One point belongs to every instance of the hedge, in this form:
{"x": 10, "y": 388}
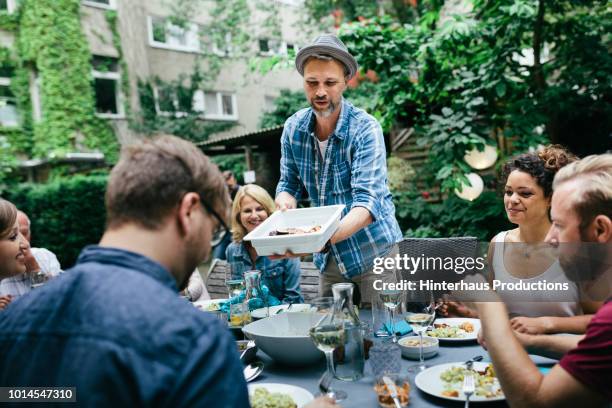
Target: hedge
{"x": 66, "y": 214}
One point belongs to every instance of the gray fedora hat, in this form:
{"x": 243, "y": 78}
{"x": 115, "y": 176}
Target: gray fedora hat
{"x": 328, "y": 45}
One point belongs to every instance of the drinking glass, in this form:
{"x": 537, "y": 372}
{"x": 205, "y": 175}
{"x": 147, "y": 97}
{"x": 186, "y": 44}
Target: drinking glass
{"x": 37, "y": 279}
{"x": 327, "y": 333}
{"x": 239, "y": 314}
{"x": 420, "y": 315}
{"x": 234, "y": 287}
{"x": 391, "y": 299}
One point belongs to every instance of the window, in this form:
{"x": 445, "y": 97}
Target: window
{"x": 269, "y": 46}
{"x": 164, "y": 34}
{"x": 222, "y": 46}
{"x": 106, "y": 4}
{"x": 8, "y": 5}
{"x": 9, "y": 116}
{"x": 216, "y": 105}
{"x": 107, "y": 86}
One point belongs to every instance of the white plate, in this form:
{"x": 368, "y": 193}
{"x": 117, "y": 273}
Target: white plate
{"x": 456, "y": 321}
{"x": 300, "y": 396}
{"x": 296, "y": 308}
{"x": 429, "y": 382}
{"x": 209, "y": 305}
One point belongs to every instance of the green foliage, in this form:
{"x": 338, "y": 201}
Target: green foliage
{"x": 233, "y": 162}
{"x": 178, "y": 118}
{"x": 482, "y": 218}
{"x": 287, "y": 103}
{"x": 8, "y": 22}
{"x": 50, "y": 36}
{"x": 111, "y": 18}
{"x": 66, "y": 214}
{"x": 460, "y": 82}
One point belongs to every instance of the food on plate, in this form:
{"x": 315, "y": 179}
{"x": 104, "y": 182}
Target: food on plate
{"x": 487, "y": 385}
{"x": 295, "y": 231}
{"x": 210, "y": 307}
{"x": 451, "y": 332}
{"x": 262, "y": 398}
{"x": 384, "y": 395}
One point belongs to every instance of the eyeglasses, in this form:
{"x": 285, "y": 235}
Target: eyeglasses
{"x": 221, "y": 230}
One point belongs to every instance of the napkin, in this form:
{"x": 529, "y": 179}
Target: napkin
{"x": 400, "y": 327}
{"x": 254, "y": 303}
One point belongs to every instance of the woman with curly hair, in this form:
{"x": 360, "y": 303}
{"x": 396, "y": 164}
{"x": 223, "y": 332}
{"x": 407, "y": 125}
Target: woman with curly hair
{"x": 520, "y": 254}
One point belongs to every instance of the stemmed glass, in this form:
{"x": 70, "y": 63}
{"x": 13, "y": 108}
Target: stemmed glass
{"x": 327, "y": 333}
{"x": 391, "y": 299}
{"x": 420, "y": 315}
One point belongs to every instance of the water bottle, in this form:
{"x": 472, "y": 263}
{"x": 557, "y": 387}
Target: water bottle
{"x": 349, "y": 358}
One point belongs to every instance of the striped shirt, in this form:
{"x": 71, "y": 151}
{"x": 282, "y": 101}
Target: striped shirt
{"x": 352, "y": 172}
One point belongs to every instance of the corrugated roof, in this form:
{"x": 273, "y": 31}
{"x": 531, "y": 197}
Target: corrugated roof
{"x": 233, "y": 140}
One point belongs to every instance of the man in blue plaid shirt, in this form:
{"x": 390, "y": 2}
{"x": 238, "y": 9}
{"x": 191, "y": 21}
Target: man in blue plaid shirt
{"x": 336, "y": 153}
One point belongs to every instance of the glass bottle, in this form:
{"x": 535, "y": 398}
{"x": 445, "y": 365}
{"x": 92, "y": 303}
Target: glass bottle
{"x": 255, "y": 297}
{"x": 350, "y": 359}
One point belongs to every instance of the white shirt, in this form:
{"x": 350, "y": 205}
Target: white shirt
{"x": 21, "y": 284}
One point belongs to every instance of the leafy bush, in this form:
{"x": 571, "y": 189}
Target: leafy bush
{"x": 66, "y": 214}
{"x": 454, "y": 217}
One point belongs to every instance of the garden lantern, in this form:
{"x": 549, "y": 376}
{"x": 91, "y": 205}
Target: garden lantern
{"x": 480, "y": 160}
{"x": 473, "y": 190}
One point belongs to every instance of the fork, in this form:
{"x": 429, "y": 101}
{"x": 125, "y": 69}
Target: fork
{"x": 468, "y": 387}
{"x": 279, "y": 311}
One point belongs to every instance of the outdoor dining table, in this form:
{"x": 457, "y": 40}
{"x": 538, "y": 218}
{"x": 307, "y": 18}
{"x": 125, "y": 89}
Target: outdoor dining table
{"x": 361, "y": 393}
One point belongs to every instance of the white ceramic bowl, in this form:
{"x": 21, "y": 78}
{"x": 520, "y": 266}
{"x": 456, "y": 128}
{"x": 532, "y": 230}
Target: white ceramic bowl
{"x": 328, "y": 217}
{"x": 410, "y": 347}
{"x": 273, "y": 310}
{"x": 284, "y": 337}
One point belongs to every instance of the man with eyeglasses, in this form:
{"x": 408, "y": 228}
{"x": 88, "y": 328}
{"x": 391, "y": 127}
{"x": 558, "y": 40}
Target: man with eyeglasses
{"x": 336, "y": 153}
{"x": 113, "y": 326}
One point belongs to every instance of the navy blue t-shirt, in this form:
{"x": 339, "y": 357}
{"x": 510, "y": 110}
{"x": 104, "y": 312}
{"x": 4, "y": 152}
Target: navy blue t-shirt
{"x": 114, "y": 327}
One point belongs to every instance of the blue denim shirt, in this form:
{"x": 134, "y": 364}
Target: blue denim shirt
{"x": 353, "y": 172}
{"x": 282, "y": 276}
{"x": 115, "y": 328}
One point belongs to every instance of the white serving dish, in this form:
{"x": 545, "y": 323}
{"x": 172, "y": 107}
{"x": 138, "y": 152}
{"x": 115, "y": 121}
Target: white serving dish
{"x": 285, "y": 338}
{"x": 274, "y": 310}
{"x": 457, "y": 321}
{"x": 327, "y": 217}
{"x": 412, "y": 352}
{"x": 299, "y": 395}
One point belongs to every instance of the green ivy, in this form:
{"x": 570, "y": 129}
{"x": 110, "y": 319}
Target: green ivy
{"x": 111, "y": 18}
{"x": 50, "y": 36}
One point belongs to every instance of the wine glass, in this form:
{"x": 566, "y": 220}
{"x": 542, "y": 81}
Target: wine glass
{"x": 391, "y": 299}
{"x": 420, "y": 314}
{"x": 327, "y": 333}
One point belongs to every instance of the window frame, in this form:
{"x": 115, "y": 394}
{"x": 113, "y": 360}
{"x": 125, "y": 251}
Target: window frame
{"x": 203, "y": 115}
{"x": 164, "y": 45}
{"x": 112, "y": 4}
{"x": 116, "y": 76}
{"x": 6, "y": 81}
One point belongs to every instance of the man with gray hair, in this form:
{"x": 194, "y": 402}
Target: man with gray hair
{"x": 336, "y": 153}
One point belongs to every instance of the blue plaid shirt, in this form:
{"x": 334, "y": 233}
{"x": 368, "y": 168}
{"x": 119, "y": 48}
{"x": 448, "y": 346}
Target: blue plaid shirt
{"x": 353, "y": 172}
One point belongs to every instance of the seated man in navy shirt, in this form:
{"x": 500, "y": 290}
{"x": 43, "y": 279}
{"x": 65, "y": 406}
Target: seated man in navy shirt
{"x": 113, "y": 326}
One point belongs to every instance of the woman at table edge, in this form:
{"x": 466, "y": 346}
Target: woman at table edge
{"x": 527, "y": 194}
{"x": 252, "y": 206}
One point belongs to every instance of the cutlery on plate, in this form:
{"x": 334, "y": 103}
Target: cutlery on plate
{"x": 392, "y": 390}
{"x": 252, "y": 371}
{"x": 471, "y": 361}
{"x": 281, "y": 310}
{"x": 468, "y": 386}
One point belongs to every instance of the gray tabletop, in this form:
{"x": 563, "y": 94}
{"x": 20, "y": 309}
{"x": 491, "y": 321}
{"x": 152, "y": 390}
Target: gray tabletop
{"x": 361, "y": 393}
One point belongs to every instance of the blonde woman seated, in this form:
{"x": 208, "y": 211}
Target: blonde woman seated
{"x": 521, "y": 255}
{"x": 252, "y": 205}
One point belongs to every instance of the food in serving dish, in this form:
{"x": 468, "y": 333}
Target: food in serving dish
{"x": 263, "y": 398}
{"x": 210, "y": 307}
{"x": 384, "y": 395}
{"x": 414, "y": 342}
{"x": 295, "y": 231}
{"x": 452, "y": 332}
{"x": 487, "y": 385}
